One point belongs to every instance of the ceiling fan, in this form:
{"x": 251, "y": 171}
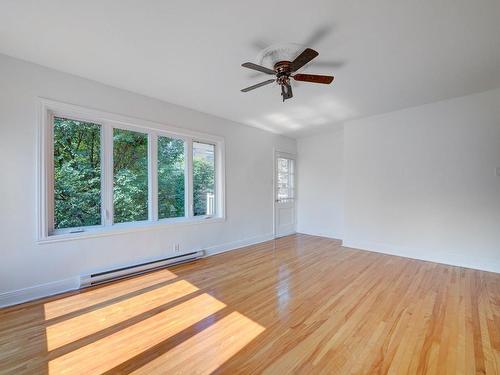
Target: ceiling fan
{"x": 283, "y": 71}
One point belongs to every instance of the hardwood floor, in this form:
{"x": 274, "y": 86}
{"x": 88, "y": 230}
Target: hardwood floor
{"x": 300, "y": 304}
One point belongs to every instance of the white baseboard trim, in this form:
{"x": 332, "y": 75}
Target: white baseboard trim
{"x": 45, "y": 290}
{"x": 235, "y": 245}
{"x": 459, "y": 260}
{"x": 39, "y": 291}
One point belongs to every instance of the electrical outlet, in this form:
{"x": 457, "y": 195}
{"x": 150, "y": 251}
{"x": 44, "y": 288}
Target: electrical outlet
{"x": 497, "y": 171}
{"x": 176, "y": 248}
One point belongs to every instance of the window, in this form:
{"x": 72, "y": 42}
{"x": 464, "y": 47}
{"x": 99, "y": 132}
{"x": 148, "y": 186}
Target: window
{"x": 171, "y": 182}
{"x": 130, "y": 176}
{"x": 77, "y": 173}
{"x": 203, "y": 178}
{"x": 285, "y": 179}
{"x": 102, "y": 172}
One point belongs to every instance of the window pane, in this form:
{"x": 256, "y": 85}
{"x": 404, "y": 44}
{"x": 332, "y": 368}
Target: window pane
{"x": 77, "y": 173}
{"x": 285, "y": 179}
{"x": 170, "y": 177}
{"x": 203, "y": 179}
{"x": 130, "y": 181}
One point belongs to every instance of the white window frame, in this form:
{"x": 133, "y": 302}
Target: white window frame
{"x": 48, "y": 109}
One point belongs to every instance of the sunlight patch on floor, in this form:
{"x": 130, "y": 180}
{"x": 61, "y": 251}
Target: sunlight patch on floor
{"x": 102, "y": 294}
{"x": 108, "y": 352}
{"x": 208, "y": 350}
{"x": 86, "y": 324}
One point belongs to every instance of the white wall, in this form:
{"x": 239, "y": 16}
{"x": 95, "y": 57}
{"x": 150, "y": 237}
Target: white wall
{"x": 419, "y": 182}
{"x": 320, "y": 184}
{"x": 26, "y": 264}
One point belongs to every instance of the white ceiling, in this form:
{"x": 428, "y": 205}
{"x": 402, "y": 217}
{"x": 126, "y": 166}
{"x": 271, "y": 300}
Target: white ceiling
{"x": 385, "y": 54}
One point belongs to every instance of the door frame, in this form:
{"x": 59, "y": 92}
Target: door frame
{"x": 277, "y": 153}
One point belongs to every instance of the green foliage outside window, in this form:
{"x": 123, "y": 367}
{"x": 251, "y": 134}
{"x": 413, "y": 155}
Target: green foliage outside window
{"x": 203, "y": 179}
{"x": 130, "y": 167}
{"x": 171, "y": 187}
{"x": 77, "y": 173}
{"x": 203, "y": 185}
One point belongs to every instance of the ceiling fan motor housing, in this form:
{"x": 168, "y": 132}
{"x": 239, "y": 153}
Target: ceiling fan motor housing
{"x": 283, "y": 72}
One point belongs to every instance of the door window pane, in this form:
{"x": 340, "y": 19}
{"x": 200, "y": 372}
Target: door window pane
{"x": 203, "y": 179}
{"x": 130, "y": 176}
{"x": 285, "y": 176}
{"x": 171, "y": 184}
{"x": 77, "y": 173}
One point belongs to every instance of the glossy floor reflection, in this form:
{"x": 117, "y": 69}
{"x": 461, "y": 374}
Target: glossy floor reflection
{"x": 299, "y": 304}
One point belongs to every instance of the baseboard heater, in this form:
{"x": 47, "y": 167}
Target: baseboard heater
{"x": 120, "y": 273}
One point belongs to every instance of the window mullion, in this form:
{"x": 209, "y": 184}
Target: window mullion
{"x": 107, "y": 174}
{"x": 153, "y": 176}
{"x": 189, "y": 179}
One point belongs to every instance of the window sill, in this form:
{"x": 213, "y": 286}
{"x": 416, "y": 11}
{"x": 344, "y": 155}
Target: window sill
{"x": 125, "y": 228}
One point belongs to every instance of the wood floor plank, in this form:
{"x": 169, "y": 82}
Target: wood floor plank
{"x": 299, "y": 304}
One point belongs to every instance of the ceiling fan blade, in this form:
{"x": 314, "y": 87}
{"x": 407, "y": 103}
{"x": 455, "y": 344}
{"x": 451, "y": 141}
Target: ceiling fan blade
{"x": 318, "y": 35}
{"x": 327, "y": 64}
{"x": 307, "y": 55}
{"x": 262, "y": 69}
{"x": 315, "y": 78}
{"x": 258, "y": 85}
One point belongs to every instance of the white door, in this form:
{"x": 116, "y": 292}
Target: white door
{"x": 284, "y": 202}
